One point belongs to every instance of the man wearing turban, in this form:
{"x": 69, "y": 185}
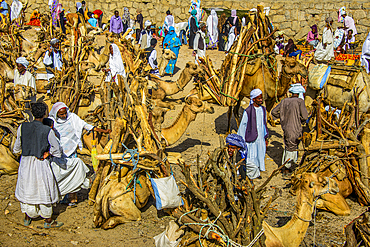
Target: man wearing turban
{"x": 253, "y": 128}
{"x": 53, "y": 58}
{"x": 292, "y": 113}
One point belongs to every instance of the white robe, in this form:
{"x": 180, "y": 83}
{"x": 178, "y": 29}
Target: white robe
{"x": 169, "y": 21}
{"x": 327, "y": 53}
{"x": 365, "y": 54}
{"x": 350, "y": 23}
{"x": 15, "y": 9}
{"x": 212, "y": 23}
{"x": 115, "y": 65}
{"x": 36, "y": 187}
{"x": 199, "y": 53}
{"x": 57, "y": 62}
{"x": 256, "y": 150}
{"x": 230, "y": 39}
{"x": 27, "y": 79}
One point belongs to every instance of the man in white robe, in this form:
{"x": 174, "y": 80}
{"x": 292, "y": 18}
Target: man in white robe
{"x": 70, "y": 171}
{"x": 325, "y": 49}
{"x": 36, "y": 187}
{"x": 212, "y": 23}
{"x": 53, "y": 58}
{"x": 365, "y": 54}
{"x": 253, "y": 128}
{"x": 200, "y": 43}
{"x": 151, "y": 53}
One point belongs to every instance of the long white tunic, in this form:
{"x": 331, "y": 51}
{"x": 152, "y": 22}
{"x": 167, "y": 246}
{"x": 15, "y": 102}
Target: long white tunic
{"x": 27, "y": 79}
{"x": 57, "y": 62}
{"x": 327, "y": 53}
{"x": 350, "y": 24}
{"x": 256, "y": 150}
{"x": 36, "y": 187}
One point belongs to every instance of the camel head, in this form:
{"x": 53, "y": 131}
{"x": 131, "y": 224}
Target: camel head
{"x": 292, "y": 67}
{"x": 193, "y": 69}
{"x": 314, "y": 185}
{"x": 168, "y": 54}
{"x": 198, "y": 106}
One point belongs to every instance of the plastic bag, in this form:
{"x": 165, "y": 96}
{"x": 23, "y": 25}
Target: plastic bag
{"x": 318, "y": 76}
{"x": 166, "y": 192}
{"x": 169, "y": 237}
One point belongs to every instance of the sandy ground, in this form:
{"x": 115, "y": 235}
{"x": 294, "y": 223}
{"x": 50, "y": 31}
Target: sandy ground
{"x": 201, "y": 136}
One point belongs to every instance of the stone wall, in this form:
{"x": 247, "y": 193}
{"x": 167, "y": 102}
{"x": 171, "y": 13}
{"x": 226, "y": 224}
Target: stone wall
{"x": 294, "y": 16}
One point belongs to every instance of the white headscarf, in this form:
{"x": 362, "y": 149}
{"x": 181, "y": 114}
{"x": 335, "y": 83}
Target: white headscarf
{"x": 212, "y": 23}
{"x": 115, "y": 62}
{"x": 23, "y": 61}
{"x": 365, "y": 54}
{"x": 254, "y": 93}
{"x": 147, "y": 23}
{"x": 15, "y": 9}
{"x": 169, "y": 21}
{"x": 297, "y": 89}
{"x": 54, "y": 112}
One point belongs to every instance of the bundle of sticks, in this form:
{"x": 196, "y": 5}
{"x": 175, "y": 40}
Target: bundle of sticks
{"x": 255, "y": 40}
{"x": 219, "y": 206}
{"x": 126, "y": 110}
{"x": 339, "y": 142}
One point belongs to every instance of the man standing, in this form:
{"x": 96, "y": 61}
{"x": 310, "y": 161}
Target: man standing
{"x": 253, "y": 128}
{"x": 349, "y": 23}
{"x": 116, "y": 25}
{"x": 292, "y": 113}
{"x": 36, "y": 187}
{"x": 151, "y": 54}
{"x": 53, "y": 58}
{"x": 200, "y": 43}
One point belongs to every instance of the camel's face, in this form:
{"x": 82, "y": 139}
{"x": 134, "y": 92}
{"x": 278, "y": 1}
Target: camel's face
{"x": 292, "y": 67}
{"x": 315, "y": 184}
{"x": 158, "y": 115}
{"x": 168, "y": 54}
{"x": 198, "y": 106}
{"x": 86, "y": 65}
{"x": 193, "y": 68}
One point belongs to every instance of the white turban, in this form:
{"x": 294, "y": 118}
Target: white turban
{"x": 23, "y": 61}
{"x": 297, "y": 89}
{"x": 54, "y": 41}
{"x": 254, "y": 93}
{"x": 147, "y": 23}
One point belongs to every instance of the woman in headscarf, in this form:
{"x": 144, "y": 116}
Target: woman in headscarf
{"x": 365, "y": 54}
{"x": 291, "y": 49}
{"x": 70, "y": 171}
{"x": 313, "y": 36}
{"x": 172, "y": 42}
{"x": 126, "y": 19}
{"x": 116, "y": 66}
{"x": 221, "y": 35}
{"x": 16, "y": 8}
{"x": 139, "y": 24}
{"x": 212, "y": 23}
{"x": 234, "y": 20}
{"x": 34, "y": 19}
{"x": 325, "y": 49}
{"x": 193, "y": 27}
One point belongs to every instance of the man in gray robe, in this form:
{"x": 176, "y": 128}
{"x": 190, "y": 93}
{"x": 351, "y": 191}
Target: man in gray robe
{"x": 292, "y": 113}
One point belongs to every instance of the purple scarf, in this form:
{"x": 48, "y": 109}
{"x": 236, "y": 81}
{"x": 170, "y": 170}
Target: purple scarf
{"x": 251, "y": 133}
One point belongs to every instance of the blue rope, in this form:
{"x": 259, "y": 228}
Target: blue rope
{"x": 110, "y": 156}
{"x": 132, "y": 153}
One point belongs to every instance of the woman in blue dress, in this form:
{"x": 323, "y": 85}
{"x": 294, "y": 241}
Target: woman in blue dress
{"x": 172, "y": 42}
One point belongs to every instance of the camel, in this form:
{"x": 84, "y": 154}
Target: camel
{"x": 8, "y": 164}
{"x": 117, "y": 196}
{"x": 258, "y": 76}
{"x": 309, "y": 186}
{"x": 337, "y": 96}
{"x": 189, "y": 112}
{"x": 165, "y": 88}
{"x": 163, "y": 60}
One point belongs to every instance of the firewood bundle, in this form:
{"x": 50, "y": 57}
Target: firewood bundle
{"x": 339, "y": 145}
{"x": 219, "y": 206}
{"x": 255, "y": 40}
{"x": 126, "y": 110}
{"x": 358, "y": 231}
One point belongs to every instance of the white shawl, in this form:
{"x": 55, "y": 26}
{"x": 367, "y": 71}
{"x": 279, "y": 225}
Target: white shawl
{"x": 15, "y": 9}
{"x": 115, "y": 64}
{"x": 212, "y": 23}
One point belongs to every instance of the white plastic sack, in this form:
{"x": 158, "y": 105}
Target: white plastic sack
{"x": 170, "y": 237}
{"x": 318, "y": 76}
{"x": 166, "y": 192}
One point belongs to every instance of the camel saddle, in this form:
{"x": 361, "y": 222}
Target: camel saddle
{"x": 344, "y": 77}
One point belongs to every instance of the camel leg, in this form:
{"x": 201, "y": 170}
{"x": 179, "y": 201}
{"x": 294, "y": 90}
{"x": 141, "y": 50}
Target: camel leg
{"x": 229, "y": 113}
{"x": 334, "y": 203}
{"x": 236, "y": 112}
{"x": 114, "y": 221}
{"x": 162, "y": 104}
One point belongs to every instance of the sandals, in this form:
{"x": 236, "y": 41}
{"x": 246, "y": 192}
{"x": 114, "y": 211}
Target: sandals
{"x": 50, "y": 225}
{"x": 27, "y": 222}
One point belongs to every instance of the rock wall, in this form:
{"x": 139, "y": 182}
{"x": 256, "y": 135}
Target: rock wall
{"x": 294, "y": 17}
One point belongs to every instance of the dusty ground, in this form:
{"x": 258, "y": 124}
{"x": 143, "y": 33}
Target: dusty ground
{"x": 201, "y": 136}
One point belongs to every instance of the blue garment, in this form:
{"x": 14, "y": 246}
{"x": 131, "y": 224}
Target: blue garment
{"x": 4, "y": 5}
{"x": 93, "y": 22}
{"x": 296, "y": 53}
{"x": 172, "y": 42}
{"x": 257, "y": 148}
{"x": 238, "y": 141}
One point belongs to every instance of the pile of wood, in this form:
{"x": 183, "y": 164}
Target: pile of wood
{"x": 339, "y": 144}
{"x": 219, "y": 206}
{"x": 255, "y": 40}
{"x": 358, "y": 231}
